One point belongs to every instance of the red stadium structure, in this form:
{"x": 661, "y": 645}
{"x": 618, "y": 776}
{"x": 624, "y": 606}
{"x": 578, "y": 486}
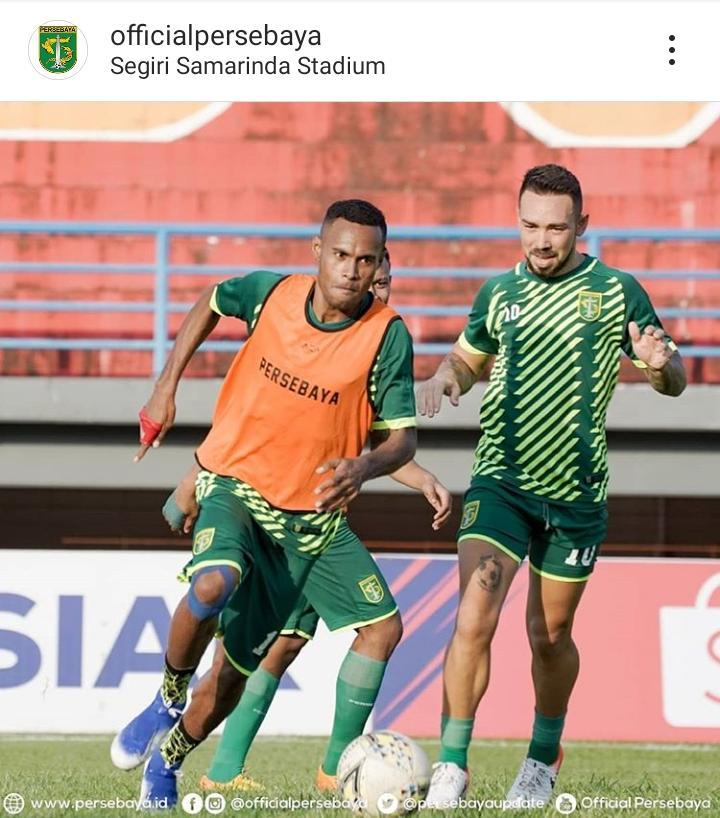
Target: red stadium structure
{"x": 423, "y": 164}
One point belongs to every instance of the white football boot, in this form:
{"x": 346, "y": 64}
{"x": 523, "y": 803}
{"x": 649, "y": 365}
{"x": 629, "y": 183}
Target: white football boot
{"x": 447, "y": 785}
{"x": 534, "y": 783}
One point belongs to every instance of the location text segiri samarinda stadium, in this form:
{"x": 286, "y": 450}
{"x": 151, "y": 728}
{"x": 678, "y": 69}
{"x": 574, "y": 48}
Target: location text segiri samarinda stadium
{"x": 281, "y": 55}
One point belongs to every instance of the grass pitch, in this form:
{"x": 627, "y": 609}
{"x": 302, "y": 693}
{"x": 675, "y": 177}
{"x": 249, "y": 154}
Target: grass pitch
{"x": 78, "y": 768}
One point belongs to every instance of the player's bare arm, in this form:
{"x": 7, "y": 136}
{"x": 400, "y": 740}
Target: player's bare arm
{"x": 414, "y": 476}
{"x": 181, "y": 508}
{"x": 455, "y": 376}
{"x": 664, "y": 367}
{"x": 160, "y": 408}
{"x": 390, "y": 449}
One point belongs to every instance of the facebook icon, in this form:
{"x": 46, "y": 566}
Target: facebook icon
{"x": 192, "y": 803}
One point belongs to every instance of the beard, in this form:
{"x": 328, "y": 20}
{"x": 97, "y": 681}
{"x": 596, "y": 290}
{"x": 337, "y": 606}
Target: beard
{"x": 556, "y": 269}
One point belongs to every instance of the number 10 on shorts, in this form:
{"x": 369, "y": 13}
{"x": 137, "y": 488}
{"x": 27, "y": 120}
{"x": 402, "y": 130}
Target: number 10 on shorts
{"x": 583, "y": 556}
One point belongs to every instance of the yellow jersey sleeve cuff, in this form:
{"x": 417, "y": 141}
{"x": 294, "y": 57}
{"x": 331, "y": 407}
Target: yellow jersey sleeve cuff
{"x": 468, "y": 347}
{"x": 213, "y": 303}
{"x": 397, "y": 423}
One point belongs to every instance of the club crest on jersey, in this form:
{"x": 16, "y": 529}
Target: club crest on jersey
{"x": 372, "y": 589}
{"x": 203, "y": 540}
{"x": 470, "y": 513}
{"x": 589, "y": 305}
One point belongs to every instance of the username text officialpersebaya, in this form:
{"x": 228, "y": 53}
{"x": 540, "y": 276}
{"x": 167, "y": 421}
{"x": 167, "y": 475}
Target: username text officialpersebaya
{"x": 283, "y": 53}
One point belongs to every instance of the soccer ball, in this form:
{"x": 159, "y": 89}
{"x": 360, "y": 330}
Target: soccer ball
{"x": 386, "y": 771}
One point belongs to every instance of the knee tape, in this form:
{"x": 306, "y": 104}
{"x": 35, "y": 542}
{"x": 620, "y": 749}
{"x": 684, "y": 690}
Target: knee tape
{"x": 207, "y": 610}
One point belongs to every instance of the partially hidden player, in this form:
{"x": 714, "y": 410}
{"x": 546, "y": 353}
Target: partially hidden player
{"x": 556, "y": 325}
{"x": 326, "y": 367}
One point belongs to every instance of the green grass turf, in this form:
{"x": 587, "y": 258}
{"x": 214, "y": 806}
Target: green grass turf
{"x": 79, "y": 768}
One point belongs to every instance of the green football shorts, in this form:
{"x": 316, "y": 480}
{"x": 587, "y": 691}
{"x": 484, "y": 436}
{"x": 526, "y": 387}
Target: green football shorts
{"x": 344, "y": 587}
{"x": 271, "y": 577}
{"x": 562, "y": 542}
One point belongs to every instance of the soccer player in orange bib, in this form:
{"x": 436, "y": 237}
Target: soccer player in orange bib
{"x": 227, "y": 770}
{"x": 326, "y": 367}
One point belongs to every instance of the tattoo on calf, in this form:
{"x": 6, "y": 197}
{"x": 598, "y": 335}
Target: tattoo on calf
{"x": 489, "y": 573}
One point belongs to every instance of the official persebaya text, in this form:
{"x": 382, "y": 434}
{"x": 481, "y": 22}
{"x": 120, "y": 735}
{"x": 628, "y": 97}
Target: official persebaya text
{"x": 197, "y": 38}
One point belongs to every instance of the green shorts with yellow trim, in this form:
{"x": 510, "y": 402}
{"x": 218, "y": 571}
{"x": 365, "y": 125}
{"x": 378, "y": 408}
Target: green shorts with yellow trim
{"x": 344, "y": 588}
{"x": 561, "y": 541}
{"x": 303, "y": 621}
{"x": 271, "y": 577}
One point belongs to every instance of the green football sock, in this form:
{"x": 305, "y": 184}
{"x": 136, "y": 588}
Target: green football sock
{"x": 545, "y": 741}
{"x": 358, "y": 684}
{"x": 455, "y": 740}
{"x": 242, "y": 725}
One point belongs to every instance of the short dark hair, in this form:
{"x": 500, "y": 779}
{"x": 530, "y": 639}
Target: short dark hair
{"x": 553, "y": 179}
{"x": 386, "y": 256}
{"x": 357, "y": 211}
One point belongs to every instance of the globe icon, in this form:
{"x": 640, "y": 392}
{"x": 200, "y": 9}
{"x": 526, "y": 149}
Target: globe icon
{"x": 13, "y": 803}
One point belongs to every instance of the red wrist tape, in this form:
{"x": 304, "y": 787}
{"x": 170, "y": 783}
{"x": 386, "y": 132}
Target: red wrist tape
{"x": 149, "y": 429}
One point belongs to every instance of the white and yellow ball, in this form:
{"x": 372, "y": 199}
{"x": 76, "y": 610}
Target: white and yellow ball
{"x": 386, "y": 771}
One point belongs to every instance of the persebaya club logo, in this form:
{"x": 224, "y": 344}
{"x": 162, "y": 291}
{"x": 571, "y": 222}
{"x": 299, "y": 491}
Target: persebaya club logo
{"x": 589, "y": 305}
{"x": 470, "y": 513}
{"x": 372, "y": 589}
{"x": 57, "y": 49}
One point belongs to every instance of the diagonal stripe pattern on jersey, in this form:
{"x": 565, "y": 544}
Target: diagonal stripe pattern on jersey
{"x": 557, "y": 344}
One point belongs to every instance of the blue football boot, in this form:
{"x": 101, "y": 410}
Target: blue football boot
{"x": 134, "y": 743}
{"x": 159, "y": 789}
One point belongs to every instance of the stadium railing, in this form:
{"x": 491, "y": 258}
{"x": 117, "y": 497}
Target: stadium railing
{"x": 163, "y": 271}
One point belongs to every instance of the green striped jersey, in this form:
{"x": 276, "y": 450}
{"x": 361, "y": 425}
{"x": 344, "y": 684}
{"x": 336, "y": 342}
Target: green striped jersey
{"x": 557, "y": 343}
{"x": 309, "y": 533}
